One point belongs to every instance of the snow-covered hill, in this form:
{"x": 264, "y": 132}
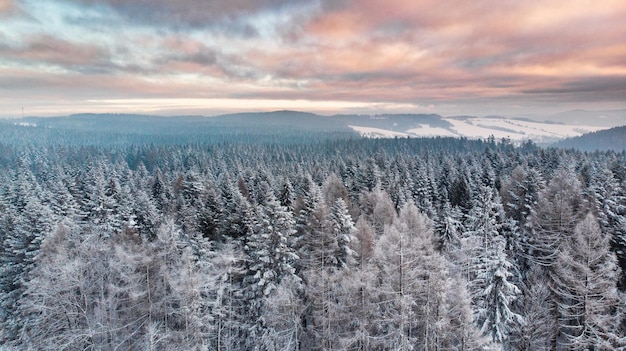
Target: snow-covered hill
{"x": 290, "y": 122}
{"x": 484, "y": 127}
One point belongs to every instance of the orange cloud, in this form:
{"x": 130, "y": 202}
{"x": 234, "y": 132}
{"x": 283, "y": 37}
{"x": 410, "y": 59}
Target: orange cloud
{"x": 6, "y": 6}
{"x": 457, "y": 43}
{"x": 396, "y": 52}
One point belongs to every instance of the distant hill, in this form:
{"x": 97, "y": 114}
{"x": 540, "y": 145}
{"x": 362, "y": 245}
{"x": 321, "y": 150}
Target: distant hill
{"x": 600, "y": 118}
{"x": 609, "y": 139}
{"x": 124, "y": 129}
{"x": 276, "y": 122}
{"x": 300, "y": 125}
{"x": 256, "y": 123}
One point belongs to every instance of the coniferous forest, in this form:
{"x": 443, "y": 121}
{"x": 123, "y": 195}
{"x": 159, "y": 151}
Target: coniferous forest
{"x": 312, "y": 242}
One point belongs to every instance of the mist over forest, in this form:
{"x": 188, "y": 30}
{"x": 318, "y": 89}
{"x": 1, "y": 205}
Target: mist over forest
{"x": 127, "y": 232}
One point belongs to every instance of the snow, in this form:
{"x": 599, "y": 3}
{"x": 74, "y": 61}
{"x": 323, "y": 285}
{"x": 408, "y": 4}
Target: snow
{"x": 471, "y": 128}
{"x": 378, "y": 133}
{"x": 483, "y": 127}
{"x": 559, "y": 130}
{"x": 25, "y": 124}
{"x": 516, "y": 130}
{"x": 426, "y": 130}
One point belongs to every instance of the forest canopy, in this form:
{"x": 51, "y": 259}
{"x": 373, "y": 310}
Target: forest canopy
{"x": 307, "y": 241}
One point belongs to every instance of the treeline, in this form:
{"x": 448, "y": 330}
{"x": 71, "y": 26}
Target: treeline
{"x": 609, "y": 139}
{"x": 118, "y": 131}
{"x": 400, "y": 244}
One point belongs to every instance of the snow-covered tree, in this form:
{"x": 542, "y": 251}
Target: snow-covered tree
{"x": 587, "y": 274}
{"x": 495, "y": 314}
{"x": 413, "y": 298}
{"x": 377, "y": 207}
{"x": 234, "y": 212}
{"x": 55, "y": 304}
{"x": 340, "y": 223}
{"x": 449, "y": 227}
{"x": 271, "y": 258}
{"x": 550, "y": 226}
{"x": 226, "y": 299}
{"x": 535, "y": 307}
{"x": 100, "y": 291}
{"x": 554, "y": 217}
{"x": 282, "y": 313}
{"x": 519, "y": 193}
{"x": 25, "y": 233}
{"x": 609, "y": 202}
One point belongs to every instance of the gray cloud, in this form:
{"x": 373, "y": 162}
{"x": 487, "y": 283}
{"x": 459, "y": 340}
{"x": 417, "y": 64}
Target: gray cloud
{"x": 587, "y": 89}
{"x": 182, "y": 14}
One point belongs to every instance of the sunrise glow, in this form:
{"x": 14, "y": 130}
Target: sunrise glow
{"x": 199, "y": 57}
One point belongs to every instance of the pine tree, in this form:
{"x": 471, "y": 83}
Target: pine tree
{"x": 161, "y": 192}
{"x": 317, "y": 244}
{"x": 485, "y": 218}
{"x": 411, "y": 299}
{"x": 609, "y": 202}
{"x": 495, "y": 315}
{"x": 211, "y": 214}
{"x": 551, "y": 224}
{"x": 226, "y": 296}
{"x": 20, "y": 247}
{"x": 519, "y": 193}
{"x": 271, "y": 258}
{"x": 282, "y": 313}
{"x": 62, "y": 202}
{"x": 234, "y": 212}
{"x": 587, "y": 274}
{"x": 554, "y": 217}
{"x": 449, "y": 226}
{"x": 57, "y": 305}
{"x": 325, "y": 253}
{"x": 535, "y": 307}
{"x": 483, "y": 262}
{"x": 378, "y": 209}
{"x": 286, "y": 196}
{"x": 342, "y": 227}
{"x": 459, "y": 194}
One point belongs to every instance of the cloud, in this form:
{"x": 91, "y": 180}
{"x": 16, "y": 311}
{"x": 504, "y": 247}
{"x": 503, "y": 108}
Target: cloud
{"x": 409, "y": 52}
{"x": 590, "y": 88}
{"x": 7, "y": 7}
{"x": 10, "y": 9}
{"x": 184, "y": 14}
{"x": 54, "y": 51}
{"x": 438, "y": 49}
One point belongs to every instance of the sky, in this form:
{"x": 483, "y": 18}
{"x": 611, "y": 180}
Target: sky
{"x": 451, "y": 57}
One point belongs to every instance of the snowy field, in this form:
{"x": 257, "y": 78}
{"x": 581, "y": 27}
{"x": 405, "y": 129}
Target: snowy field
{"x": 426, "y": 130}
{"x": 474, "y": 128}
{"x": 370, "y": 132}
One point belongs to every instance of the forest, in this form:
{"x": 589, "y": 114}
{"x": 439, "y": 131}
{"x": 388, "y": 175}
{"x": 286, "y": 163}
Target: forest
{"x": 308, "y": 243}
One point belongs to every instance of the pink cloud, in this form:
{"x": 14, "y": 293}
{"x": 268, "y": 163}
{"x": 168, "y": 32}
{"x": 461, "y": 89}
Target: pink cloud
{"x": 55, "y": 51}
{"x": 399, "y": 51}
{"x": 478, "y": 48}
{"x": 7, "y": 7}
{"x": 10, "y": 9}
